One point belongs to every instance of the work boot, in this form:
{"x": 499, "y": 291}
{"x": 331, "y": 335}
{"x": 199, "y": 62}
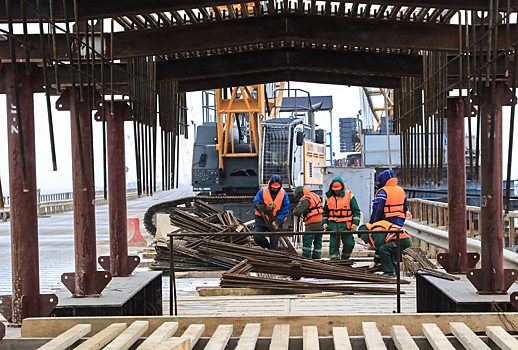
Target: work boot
{"x": 389, "y": 274}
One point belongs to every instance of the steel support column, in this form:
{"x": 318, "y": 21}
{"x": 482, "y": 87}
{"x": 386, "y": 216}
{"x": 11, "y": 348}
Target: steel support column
{"x": 457, "y": 260}
{"x": 492, "y": 278}
{"x": 86, "y": 280}
{"x": 118, "y": 263}
{"x": 26, "y": 300}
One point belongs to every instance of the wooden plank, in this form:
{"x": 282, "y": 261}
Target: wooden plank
{"x": 372, "y": 335}
{"x": 502, "y": 338}
{"x": 176, "y": 343}
{"x": 341, "y": 338}
{"x": 249, "y": 337}
{"x": 103, "y": 337}
{"x": 220, "y": 338}
{"x": 164, "y": 332}
{"x": 310, "y": 338}
{"x": 51, "y": 327}
{"x": 194, "y": 332}
{"x": 67, "y": 338}
{"x": 402, "y": 339}
{"x": 467, "y": 337}
{"x": 436, "y": 337}
{"x": 129, "y": 336}
{"x": 280, "y": 337}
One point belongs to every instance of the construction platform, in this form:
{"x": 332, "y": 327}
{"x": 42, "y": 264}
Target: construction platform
{"x": 137, "y": 295}
{"x": 440, "y": 295}
{"x": 371, "y": 331}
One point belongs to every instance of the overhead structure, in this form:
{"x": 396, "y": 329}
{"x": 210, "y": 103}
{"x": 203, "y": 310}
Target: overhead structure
{"x": 422, "y": 49}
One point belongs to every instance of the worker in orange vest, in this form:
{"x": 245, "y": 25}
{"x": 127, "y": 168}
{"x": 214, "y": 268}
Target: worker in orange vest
{"x": 311, "y": 209}
{"x": 274, "y": 199}
{"x": 341, "y": 213}
{"x": 386, "y": 244}
{"x": 390, "y": 202}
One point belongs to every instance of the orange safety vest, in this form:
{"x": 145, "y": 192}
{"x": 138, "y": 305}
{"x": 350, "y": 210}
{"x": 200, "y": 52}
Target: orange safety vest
{"x": 384, "y": 225}
{"x": 267, "y": 199}
{"x": 395, "y": 203}
{"x": 340, "y": 209}
{"x": 372, "y": 241}
{"x": 315, "y": 210}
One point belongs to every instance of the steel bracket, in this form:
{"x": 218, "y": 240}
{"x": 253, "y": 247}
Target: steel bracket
{"x": 131, "y": 264}
{"x": 93, "y": 284}
{"x": 47, "y": 301}
{"x": 444, "y": 260}
{"x": 514, "y": 300}
{"x": 121, "y": 111}
{"x": 476, "y": 277}
{"x": 63, "y": 102}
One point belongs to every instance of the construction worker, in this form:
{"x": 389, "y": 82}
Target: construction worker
{"x": 310, "y": 208}
{"x": 390, "y": 202}
{"x": 385, "y": 245}
{"x": 341, "y": 213}
{"x": 274, "y": 199}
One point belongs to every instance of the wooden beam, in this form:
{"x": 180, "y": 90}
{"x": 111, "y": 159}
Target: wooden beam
{"x": 94, "y": 9}
{"x": 341, "y": 339}
{"x": 353, "y": 62}
{"x": 372, "y": 336}
{"x": 467, "y": 337}
{"x": 436, "y": 337}
{"x": 248, "y": 338}
{"x": 402, "y": 339}
{"x": 310, "y": 338}
{"x": 501, "y": 338}
{"x": 129, "y": 336}
{"x": 329, "y": 30}
{"x": 280, "y": 337}
{"x": 288, "y": 75}
{"x": 49, "y": 327}
{"x": 99, "y": 340}
{"x": 67, "y": 338}
{"x": 165, "y": 331}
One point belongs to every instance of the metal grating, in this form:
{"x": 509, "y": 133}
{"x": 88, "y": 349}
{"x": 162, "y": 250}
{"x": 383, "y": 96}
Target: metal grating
{"x": 276, "y": 153}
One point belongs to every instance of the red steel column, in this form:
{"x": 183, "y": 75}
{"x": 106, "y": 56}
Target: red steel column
{"x": 457, "y": 260}
{"x": 118, "y": 263}
{"x": 26, "y": 300}
{"x": 86, "y": 281}
{"x": 492, "y": 278}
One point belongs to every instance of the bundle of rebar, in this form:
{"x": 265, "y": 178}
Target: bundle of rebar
{"x": 237, "y": 280}
{"x": 414, "y": 260}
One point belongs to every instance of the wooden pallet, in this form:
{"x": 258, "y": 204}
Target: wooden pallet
{"x": 119, "y": 336}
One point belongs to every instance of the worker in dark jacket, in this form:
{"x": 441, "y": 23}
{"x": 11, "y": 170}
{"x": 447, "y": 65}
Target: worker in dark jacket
{"x": 274, "y": 199}
{"x": 341, "y": 213}
{"x": 390, "y": 202}
{"x": 386, "y": 244}
{"x": 311, "y": 209}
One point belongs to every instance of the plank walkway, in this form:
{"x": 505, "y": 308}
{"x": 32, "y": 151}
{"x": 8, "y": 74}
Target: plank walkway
{"x": 165, "y": 338}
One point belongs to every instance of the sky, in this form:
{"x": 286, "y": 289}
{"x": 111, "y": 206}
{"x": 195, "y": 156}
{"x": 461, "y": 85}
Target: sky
{"x": 346, "y": 102}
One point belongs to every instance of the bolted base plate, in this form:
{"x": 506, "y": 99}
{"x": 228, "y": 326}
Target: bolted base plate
{"x": 93, "y": 284}
{"x": 125, "y": 270}
{"x": 47, "y": 301}
{"x": 444, "y": 260}
{"x": 476, "y": 277}
{"x": 514, "y": 300}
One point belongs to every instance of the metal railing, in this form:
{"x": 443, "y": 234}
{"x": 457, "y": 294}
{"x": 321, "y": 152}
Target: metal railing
{"x": 49, "y": 204}
{"x": 436, "y": 214}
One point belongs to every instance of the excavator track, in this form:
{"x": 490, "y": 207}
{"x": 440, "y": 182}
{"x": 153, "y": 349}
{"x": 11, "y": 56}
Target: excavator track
{"x": 166, "y": 207}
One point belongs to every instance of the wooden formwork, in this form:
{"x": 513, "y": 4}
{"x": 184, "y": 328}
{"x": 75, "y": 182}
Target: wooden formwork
{"x": 401, "y": 331}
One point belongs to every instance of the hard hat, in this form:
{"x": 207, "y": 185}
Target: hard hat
{"x": 275, "y": 185}
{"x": 336, "y": 186}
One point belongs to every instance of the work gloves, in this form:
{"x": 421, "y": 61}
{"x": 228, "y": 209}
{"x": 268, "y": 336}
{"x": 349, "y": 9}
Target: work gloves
{"x": 275, "y": 225}
{"x": 271, "y": 206}
{"x": 325, "y": 227}
{"x": 354, "y": 227}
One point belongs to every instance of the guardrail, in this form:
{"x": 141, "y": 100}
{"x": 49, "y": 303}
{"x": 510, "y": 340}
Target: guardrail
{"x": 436, "y": 215}
{"x": 49, "y": 204}
{"x": 439, "y": 240}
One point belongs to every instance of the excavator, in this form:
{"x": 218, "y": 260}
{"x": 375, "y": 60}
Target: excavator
{"x": 255, "y": 133}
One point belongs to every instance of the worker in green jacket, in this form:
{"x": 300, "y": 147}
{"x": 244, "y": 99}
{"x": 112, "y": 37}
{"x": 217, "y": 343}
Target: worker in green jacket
{"x": 386, "y": 244}
{"x": 341, "y": 213}
{"x": 376, "y": 241}
{"x": 310, "y": 208}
